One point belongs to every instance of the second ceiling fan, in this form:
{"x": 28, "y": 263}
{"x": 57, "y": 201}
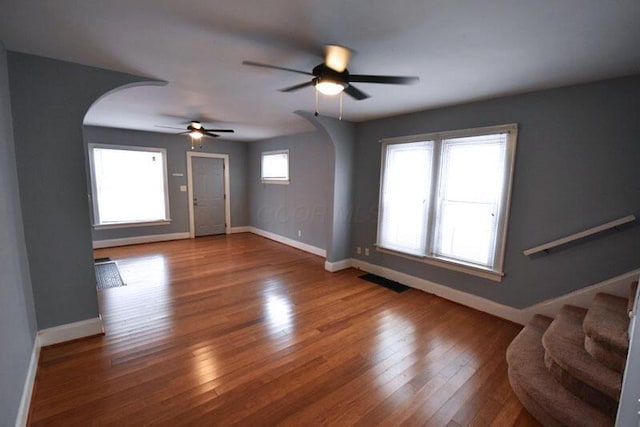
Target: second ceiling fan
{"x": 332, "y": 77}
{"x": 196, "y": 131}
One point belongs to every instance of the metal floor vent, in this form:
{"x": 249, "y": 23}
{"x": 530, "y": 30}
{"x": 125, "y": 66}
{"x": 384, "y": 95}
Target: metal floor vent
{"x": 385, "y": 283}
{"x": 108, "y": 275}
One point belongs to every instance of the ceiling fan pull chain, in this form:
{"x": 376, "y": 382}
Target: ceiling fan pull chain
{"x": 316, "y": 113}
{"x": 340, "y": 116}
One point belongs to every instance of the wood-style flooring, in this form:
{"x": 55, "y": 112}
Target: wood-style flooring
{"x": 241, "y": 330}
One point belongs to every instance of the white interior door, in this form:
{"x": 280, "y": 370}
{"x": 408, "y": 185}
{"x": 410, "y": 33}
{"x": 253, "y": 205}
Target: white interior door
{"x": 208, "y": 196}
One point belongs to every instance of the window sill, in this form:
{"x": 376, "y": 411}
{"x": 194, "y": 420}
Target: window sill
{"x": 473, "y": 270}
{"x": 131, "y": 224}
{"x": 275, "y": 181}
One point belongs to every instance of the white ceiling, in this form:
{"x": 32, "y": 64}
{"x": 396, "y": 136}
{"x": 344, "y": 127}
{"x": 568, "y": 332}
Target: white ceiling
{"x": 461, "y": 50}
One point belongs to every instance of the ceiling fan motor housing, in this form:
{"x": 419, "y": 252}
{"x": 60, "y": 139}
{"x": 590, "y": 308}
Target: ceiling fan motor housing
{"x": 326, "y": 74}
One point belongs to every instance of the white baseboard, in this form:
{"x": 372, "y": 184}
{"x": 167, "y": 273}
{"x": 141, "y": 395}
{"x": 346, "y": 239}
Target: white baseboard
{"x": 29, "y": 382}
{"x": 469, "y": 300}
{"x": 242, "y": 229}
{"x": 618, "y": 285}
{"x": 97, "y": 244}
{"x": 290, "y": 242}
{"x": 338, "y": 265}
{"x": 70, "y": 331}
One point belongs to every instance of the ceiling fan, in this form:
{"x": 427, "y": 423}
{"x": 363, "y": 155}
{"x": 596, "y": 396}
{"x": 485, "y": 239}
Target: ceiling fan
{"x": 196, "y": 131}
{"x": 332, "y": 77}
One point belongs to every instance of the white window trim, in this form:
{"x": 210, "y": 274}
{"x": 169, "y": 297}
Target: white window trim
{"x": 94, "y": 200}
{"x": 276, "y": 181}
{"x": 131, "y": 224}
{"x": 497, "y": 273}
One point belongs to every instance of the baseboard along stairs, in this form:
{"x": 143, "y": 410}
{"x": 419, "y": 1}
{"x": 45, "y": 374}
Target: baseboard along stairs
{"x": 568, "y": 371}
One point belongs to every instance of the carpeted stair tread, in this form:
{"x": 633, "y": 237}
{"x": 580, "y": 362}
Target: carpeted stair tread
{"x": 607, "y": 322}
{"x": 564, "y": 343}
{"x": 539, "y": 392}
{"x": 595, "y": 397}
{"x": 606, "y": 328}
{"x": 604, "y": 355}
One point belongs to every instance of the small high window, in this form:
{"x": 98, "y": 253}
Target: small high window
{"x": 275, "y": 167}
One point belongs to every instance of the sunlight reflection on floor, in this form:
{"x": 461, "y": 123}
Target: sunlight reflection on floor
{"x": 278, "y": 312}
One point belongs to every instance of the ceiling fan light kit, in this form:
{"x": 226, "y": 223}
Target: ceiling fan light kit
{"x": 195, "y": 130}
{"x": 328, "y": 87}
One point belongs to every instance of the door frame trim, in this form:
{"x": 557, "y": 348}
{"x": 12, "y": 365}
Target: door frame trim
{"x": 227, "y": 189}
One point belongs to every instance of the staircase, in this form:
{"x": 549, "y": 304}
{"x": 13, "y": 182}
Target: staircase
{"x": 567, "y": 371}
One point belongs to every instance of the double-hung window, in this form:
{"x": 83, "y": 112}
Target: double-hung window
{"x": 129, "y": 185}
{"x": 275, "y": 167}
{"x": 444, "y": 197}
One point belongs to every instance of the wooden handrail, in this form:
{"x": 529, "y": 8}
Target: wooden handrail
{"x": 580, "y": 235}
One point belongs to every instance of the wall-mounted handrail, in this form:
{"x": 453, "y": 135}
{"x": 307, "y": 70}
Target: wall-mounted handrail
{"x": 580, "y": 235}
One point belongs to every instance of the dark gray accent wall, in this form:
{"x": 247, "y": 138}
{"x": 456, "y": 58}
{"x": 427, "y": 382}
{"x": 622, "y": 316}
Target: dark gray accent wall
{"x": 17, "y": 316}
{"x": 303, "y": 204}
{"x": 49, "y": 99}
{"x": 177, "y": 146}
{"x": 577, "y": 161}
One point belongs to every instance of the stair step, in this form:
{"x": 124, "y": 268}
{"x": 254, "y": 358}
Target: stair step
{"x": 539, "y": 392}
{"x": 595, "y": 397}
{"x": 606, "y": 327}
{"x": 633, "y": 289}
{"x": 571, "y": 365}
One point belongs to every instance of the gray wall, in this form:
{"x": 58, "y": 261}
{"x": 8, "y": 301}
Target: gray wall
{"x": 17, "y": 317}
{"x": 49, "y": 99}
{"x": 177, "y": 146}
{"x": 303, "y": 204}
{"x": 340, "y": 136}
{"x": 576, "y": 167}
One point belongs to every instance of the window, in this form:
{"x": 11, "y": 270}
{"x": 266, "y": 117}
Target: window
{"x": 129, "y": 185}
{"x": 444, "y": 197}
{"x": 275, "y": 167}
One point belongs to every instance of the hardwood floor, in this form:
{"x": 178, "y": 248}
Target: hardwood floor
{"x": 242, "y": 330}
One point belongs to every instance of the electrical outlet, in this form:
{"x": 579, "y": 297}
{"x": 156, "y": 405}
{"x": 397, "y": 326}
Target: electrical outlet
{"x": 366, "y": 251}
{"x": 358, "y": 250}
{"x": 299, "y": 233}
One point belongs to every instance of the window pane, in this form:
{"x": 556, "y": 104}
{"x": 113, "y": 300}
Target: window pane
{"x": 469, "y": 198}
{"x": 130, "y": 185}
{"x": 405, "y": 196}
{"x": 275, "y": 166}
{"x": 465, "y": 232}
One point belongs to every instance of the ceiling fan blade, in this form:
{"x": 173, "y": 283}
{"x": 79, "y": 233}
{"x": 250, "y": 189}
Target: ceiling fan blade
{"x": 209, "y": 134}
{"x": 296, "y": 87}
{"x": 220, "y": 130}
{"x": 356, "y": 93}
{"x": 275, "y": 67}
{"x": 169, "y": 127}
{"x": 337, "y": 57}
{"x": 392, "y": 80}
